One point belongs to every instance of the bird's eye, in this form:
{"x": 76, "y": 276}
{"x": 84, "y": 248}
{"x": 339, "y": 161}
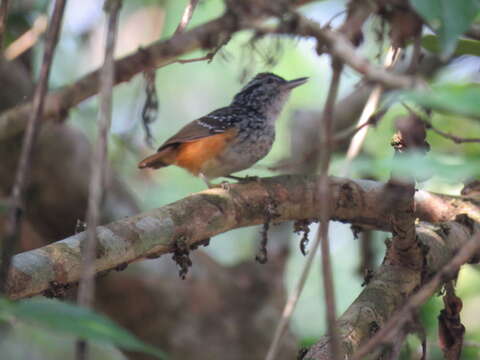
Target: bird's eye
{"x": 270, "y": 81}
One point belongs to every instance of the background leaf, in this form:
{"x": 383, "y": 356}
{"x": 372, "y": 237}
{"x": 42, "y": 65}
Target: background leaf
{"x": 74, "y": 320}
{"x": 449, "y": 19}
{"x": 463, "y": 47}
{"x": 461, "y": 99}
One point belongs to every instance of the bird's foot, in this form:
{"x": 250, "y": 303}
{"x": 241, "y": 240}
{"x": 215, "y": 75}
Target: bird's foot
{"x": 225, "y": 185}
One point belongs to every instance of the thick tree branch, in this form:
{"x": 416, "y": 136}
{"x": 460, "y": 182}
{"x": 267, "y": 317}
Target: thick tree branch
{"x": 392, "y": 284}
{"x": 211, "y": 212}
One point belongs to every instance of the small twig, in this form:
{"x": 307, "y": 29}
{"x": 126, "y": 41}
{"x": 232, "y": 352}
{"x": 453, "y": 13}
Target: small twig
{"x": 454, "y": 138}
{"x": 28, "y": 39}
{"x": 208, "y": 57}
{"x": 423, "y": 294}
{"x": 18, "y": 192}
{"x": 352, "y": 130}
{"x": 322, "y": 234}
{"x": 337, "y": 44}
{"x": 367, "y": 255}
{"x": 324, "y": 194}
{"x": 369, "y": 109}
{"x": 428, "y": 124}
{"x": 86, "y": 291}
{"x": 186, "y": 17}
{"x": 3, "y": 19}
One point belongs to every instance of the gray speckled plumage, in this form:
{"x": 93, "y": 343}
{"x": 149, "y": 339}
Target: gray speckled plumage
{"x": 253, "y": 112}
{"x": 250, "y": 117}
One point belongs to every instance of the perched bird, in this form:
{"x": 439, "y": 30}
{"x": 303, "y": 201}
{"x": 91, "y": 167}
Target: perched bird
{"x": 232, "y": 138}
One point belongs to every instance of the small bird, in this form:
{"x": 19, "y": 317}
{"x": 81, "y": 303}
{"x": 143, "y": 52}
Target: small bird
{"x": 232, "y": 138}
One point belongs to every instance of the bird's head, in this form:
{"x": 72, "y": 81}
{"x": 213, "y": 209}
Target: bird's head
{"x": 266, "y": 93}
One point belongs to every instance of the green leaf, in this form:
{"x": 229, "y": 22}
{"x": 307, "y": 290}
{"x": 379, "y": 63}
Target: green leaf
{"x": 448, "y": 18}
{"x": 422, "y": 167}
{"x": 461, "y": 99}
{"x": 74, "y": 320}
{"x": 464, "y": 46}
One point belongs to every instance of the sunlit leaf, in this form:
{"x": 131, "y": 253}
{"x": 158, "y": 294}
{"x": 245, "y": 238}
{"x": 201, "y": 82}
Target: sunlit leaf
{"x": 74, "y": 320}
{"x": 463, "y": 47}
{"x": 461, "y": 99}
{"x": 449, "y": 19}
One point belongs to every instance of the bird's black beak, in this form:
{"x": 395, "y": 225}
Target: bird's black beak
{"x": 296, "y": 82}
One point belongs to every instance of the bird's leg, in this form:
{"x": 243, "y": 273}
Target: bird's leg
{"x": 224, "y": 184}
{"x": 205, "y": 179}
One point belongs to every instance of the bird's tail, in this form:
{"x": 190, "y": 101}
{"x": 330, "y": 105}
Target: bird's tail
{"x": 158, "y": 160}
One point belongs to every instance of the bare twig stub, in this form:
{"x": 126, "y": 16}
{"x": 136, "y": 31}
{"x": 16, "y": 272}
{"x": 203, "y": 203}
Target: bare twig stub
{"x": 338, "y": 45}
{"x": 86, "y": 292}
{"x": 187, "y": 16}
{"x": 17, "y": 196}
{"x": 456, "y": 139}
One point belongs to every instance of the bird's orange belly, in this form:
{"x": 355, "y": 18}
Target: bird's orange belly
{"x": 194, "y": 155}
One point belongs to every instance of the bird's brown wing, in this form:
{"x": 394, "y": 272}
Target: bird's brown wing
{"x": 197, "y": 129}
{"x": 206, "y": 126}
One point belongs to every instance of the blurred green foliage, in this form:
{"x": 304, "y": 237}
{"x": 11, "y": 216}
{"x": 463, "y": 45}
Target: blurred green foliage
{"x": 188, "y": 91}
{"x": 456, "y": 98}
{"x": 68, "y": 319}
{"x": 463, "y": 47}
{"x": 449, "y": 19}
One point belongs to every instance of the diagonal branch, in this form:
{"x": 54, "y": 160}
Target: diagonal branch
{"x": 160, "y": 53}
{"x": 465, "y": 253}
{"x": 392, "y": 285}
{"x": 211, "y": 212}
{"x": 187, "y": 16}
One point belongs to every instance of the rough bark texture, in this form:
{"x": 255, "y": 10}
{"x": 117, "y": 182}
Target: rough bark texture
{"x": 203, "y": 215}
{"x": 391, "y": 285}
